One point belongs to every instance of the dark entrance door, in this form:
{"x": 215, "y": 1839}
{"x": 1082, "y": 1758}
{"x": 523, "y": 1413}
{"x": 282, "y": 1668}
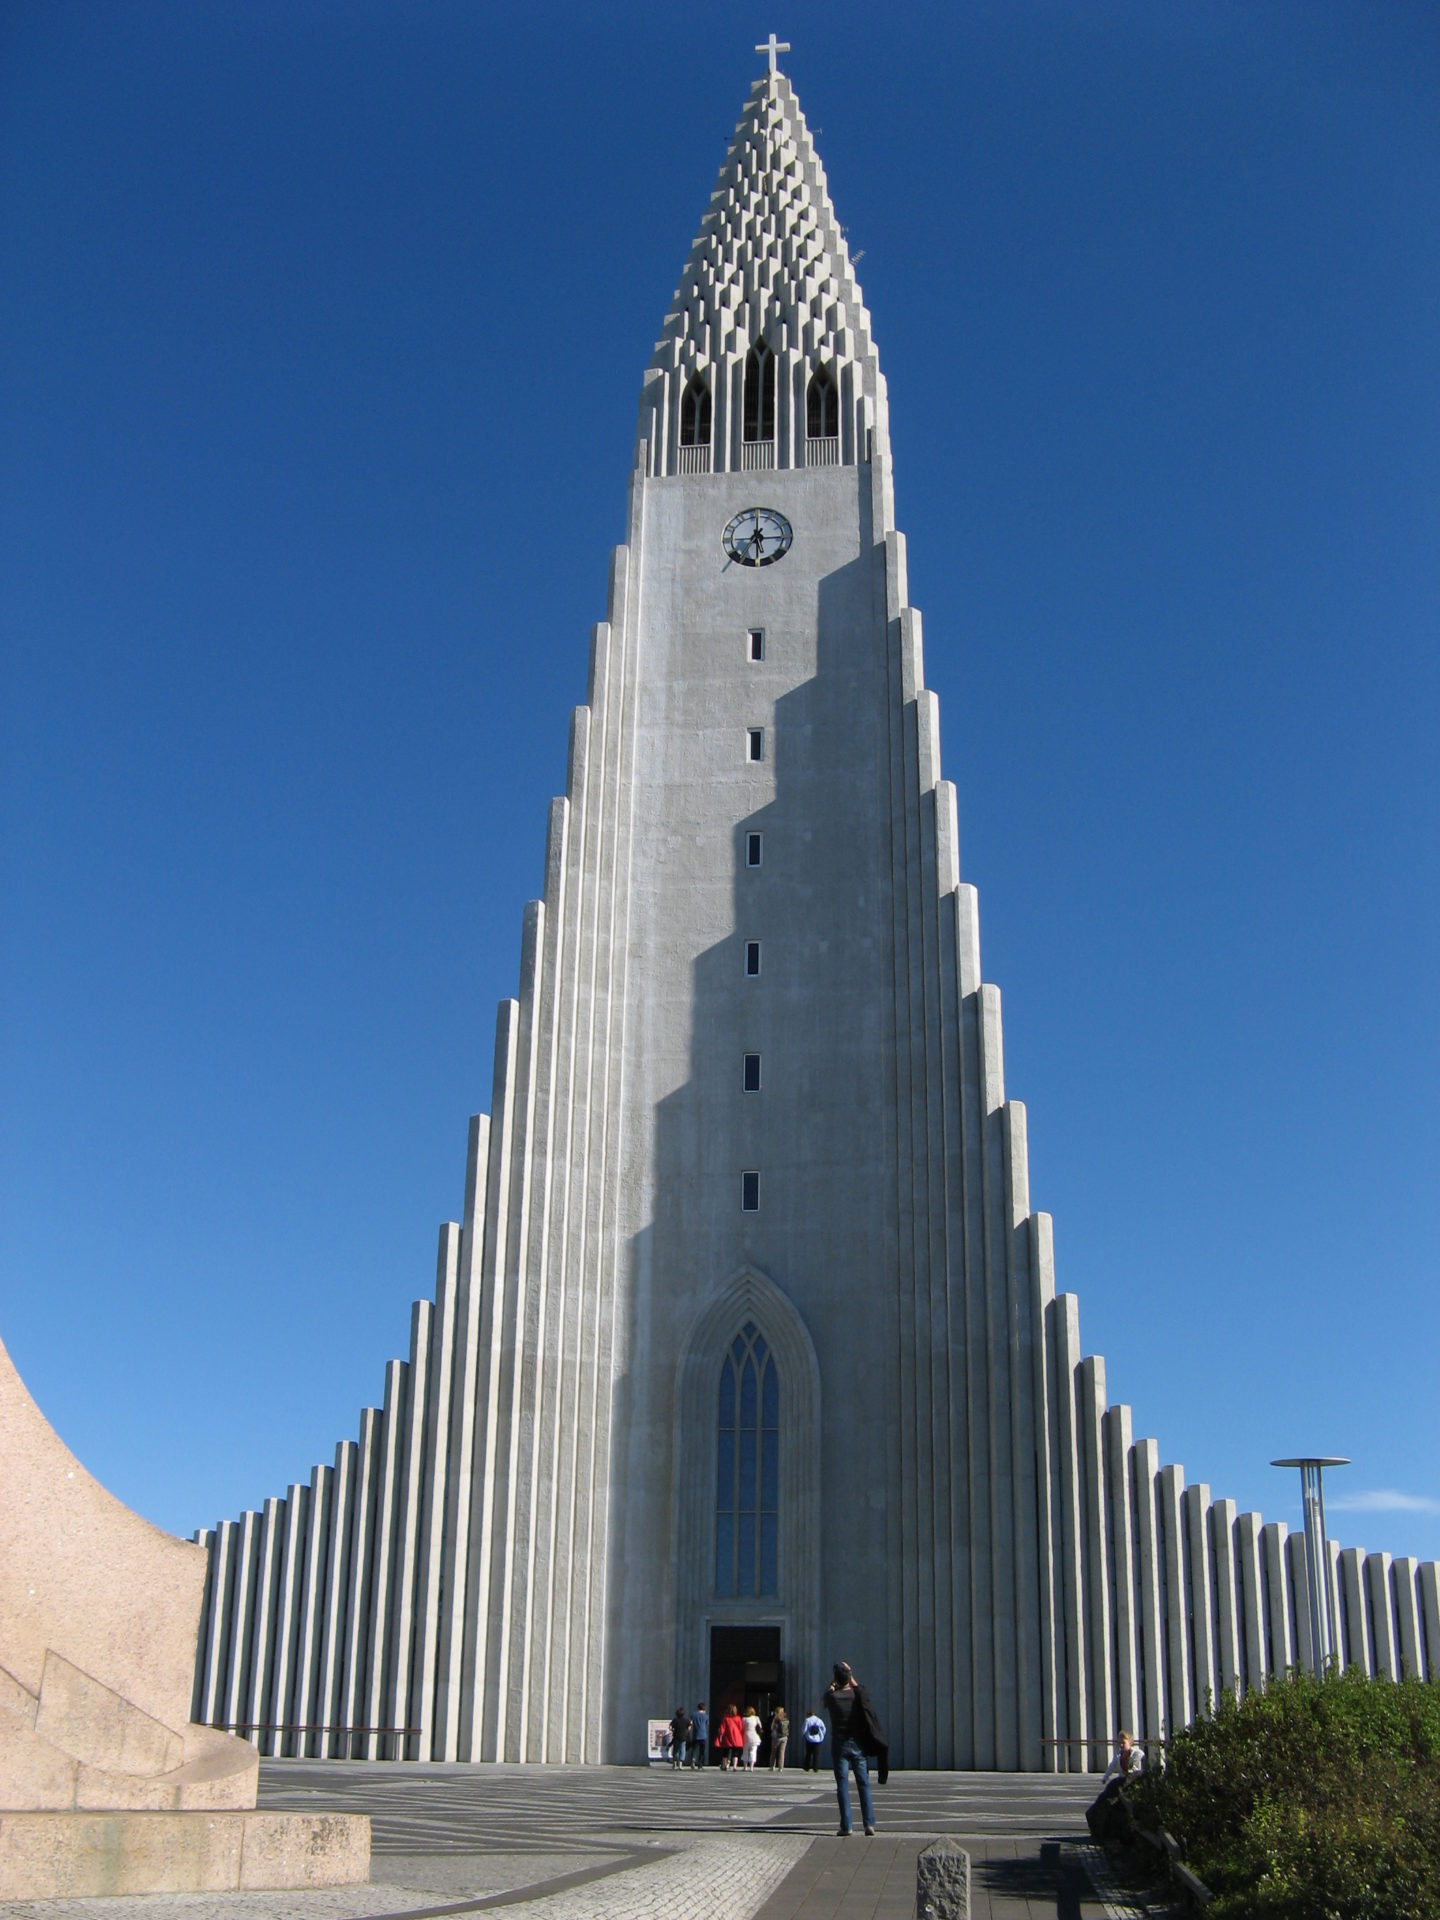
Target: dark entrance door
{"x": 746, "y": 1671}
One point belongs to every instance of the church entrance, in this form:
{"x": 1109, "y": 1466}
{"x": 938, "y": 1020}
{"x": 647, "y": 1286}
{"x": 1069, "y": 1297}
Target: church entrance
{"x": 746, "y": 1671}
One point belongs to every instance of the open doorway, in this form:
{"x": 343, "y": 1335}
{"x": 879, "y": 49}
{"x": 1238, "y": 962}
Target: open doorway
{"x": 746, "y": 1671}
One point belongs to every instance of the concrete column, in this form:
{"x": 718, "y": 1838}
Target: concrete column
{"x": 956, "y": 1738}
{"x": 1407, "y": 1617}
{"x": 421, "y": 1710}
{"x": 531, "y": 1498}
{"x": 1144, "y": 1476}
{"x": 614, "y": 890}
{"x": 220, "y": 1616}
{"x": 1026, "y": 1439}
{"x": 1350, "y": 1595}
{"x": 203, "y": 1537}
{"x": 1064, "y": 1318}
{"x": 729, "y": 409}
{"x": 1333, "y": 1552}
{"x": 477, "y": 1579}
{"x": 1124, "y": 1549}
{"x": 382, "y": 1585}
{"x": 358, "y": 1645}
{"x": 565, "y": 1709}
{"x": 312, "y": 1607}
{"x": 410, "y": 1492}
{"x": 1001, "y": 1389}
{"x": 1282, "y": 1655}
{"x": 544, "y": 1736}
{"x": 1229, "y": 1657}
{"x": 287, "y": 1624}
{"x": 972, "y": 1324}
{"x": 934, "y": 1548}
{"x": 1095, "y": 1561}
{"x": 903, "y": 1520}
{"x": 1177, "y": 1598}
{"x": 330, "y": 1706}
{"x": 242, "y": 1627}
{"x": 1297, "y": 1586}
{"x": 550, "y": 1640}
{"x": 1251, "y": 1599}
{"x": 267, "y": 1580}
{"x": 1384, "y": 1650}
{"x": 1042, "y": 1282}
{"x": 787, "y": 366}
{"x": 511, "y": 1275}
{"x": 459, "y": 1491}
{"x": 1196, "y": 1507}
{"x": 1430, "y": 1617}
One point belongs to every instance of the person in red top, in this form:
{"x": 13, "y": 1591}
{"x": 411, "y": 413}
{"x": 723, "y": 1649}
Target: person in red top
{"x": 730, "y": 1739}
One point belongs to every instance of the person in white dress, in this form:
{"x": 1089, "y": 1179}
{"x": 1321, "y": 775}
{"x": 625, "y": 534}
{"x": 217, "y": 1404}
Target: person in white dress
{"x": 752, "y": 1735}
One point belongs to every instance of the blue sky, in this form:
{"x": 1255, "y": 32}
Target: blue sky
{"x": 324, "y": 332}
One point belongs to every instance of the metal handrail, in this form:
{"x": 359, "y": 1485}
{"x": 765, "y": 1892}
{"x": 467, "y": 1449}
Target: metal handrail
{"x": 298, "y": 1726}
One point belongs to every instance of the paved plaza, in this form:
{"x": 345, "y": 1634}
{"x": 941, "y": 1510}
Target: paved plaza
{"x": 624, "y": 1843}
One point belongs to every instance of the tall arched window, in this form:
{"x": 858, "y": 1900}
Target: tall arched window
{"x": 747, "y": 1487}
{"x": 695, "y": 413}
{"x": 822, "y": 407}
{"x": 760, "y": 393}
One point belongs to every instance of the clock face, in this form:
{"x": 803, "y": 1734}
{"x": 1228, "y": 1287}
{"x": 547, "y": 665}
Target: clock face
{"x": 758, "y": 536}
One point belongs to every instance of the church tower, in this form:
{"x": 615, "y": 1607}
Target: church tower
{"x": 745, "y": 1353}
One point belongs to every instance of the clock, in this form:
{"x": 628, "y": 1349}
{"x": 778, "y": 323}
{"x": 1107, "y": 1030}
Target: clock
{"x": 758, "y": 537}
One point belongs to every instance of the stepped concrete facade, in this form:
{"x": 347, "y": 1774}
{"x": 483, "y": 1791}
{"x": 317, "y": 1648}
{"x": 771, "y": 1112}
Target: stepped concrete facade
{"x": 745, "y": 1351}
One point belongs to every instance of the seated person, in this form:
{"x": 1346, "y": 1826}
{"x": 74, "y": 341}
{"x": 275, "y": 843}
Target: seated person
{"x": 1108, "y": 1816}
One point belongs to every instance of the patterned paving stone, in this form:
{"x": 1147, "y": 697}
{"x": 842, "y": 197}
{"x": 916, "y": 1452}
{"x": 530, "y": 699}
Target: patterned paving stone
{"x": 621, "y": 1843}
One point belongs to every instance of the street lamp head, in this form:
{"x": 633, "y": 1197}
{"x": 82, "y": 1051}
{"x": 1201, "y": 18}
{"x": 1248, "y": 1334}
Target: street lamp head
{"x": 1313, "y": 1460}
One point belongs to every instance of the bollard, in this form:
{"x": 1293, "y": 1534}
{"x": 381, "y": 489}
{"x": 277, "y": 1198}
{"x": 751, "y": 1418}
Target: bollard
{"x": 942, "y": 1882}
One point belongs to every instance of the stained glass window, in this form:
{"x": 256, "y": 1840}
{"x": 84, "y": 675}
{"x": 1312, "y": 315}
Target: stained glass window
{"x": 747, "y": 1456}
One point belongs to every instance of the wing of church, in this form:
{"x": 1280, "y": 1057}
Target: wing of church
{"x": 745, "y": 1354}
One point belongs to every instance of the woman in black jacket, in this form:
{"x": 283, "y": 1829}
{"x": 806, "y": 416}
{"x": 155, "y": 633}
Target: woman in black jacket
{"x": 855, "y": 1732}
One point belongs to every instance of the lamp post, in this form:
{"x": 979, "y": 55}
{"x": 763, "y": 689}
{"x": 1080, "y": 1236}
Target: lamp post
{"x": 1319, "y": 1583}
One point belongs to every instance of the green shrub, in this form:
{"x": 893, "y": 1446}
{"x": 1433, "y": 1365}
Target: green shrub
{"x": 1314, "y": 1800}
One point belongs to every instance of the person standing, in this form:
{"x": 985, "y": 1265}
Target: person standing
{"x": 779, "y": 1734}
{"x": 751, "y": 1736}
{"x": 812, "y": 1735}
{"x": 699, "y": 1736}
{"x": 730, "y": 1739}
{"x": 854, "y": 1733}
{"x": 679, "y": 1737}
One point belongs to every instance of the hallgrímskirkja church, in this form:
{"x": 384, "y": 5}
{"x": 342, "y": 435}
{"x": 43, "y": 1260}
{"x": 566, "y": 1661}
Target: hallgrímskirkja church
{"x": 745, "y": 1352}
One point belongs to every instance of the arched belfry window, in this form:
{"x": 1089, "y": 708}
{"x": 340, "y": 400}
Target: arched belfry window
{"x": 760, "y": 393}
{"x": 747, "y": 1479}
{"x": 695, "y": 413}
{"x": 822, "y": 407}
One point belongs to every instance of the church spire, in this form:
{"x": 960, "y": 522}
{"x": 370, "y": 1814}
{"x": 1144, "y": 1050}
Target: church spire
{"x": 769, "y": 274}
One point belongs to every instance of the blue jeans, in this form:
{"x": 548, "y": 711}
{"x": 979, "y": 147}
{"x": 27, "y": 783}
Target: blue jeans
{"x": 849, "y": 1750}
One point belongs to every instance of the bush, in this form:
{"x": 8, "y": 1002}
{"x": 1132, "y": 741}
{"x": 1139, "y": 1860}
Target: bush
{"x": 1313, "y": 1800}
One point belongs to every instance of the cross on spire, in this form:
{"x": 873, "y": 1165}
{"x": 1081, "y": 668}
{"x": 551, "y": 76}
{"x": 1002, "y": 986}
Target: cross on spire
{"x": 772, "y": 46}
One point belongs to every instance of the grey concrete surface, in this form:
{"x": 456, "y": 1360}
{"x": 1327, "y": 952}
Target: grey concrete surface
{"x": 621, "y": 1843}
